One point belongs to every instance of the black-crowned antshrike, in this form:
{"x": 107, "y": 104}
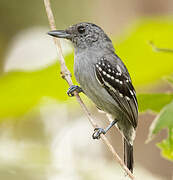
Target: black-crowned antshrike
{"x": 104, "y": 78}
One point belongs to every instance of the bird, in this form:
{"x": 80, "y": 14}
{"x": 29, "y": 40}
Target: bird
{"x": 103, "y": 78}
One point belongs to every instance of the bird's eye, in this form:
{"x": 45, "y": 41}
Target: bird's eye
{"x": 81, "y": 29}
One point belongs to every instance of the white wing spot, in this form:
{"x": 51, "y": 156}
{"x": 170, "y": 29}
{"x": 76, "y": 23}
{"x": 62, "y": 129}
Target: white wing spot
{"x": 118, "y": 68}
{"x": 108, "y": 75}
{"x": 120, "y": 94}
{"x": 109, "y": 70}
{"x": 128, "y": 99}
{"x": 97, "y": 65}
{"x": 100, "y": 69}
{"x": 118, "y": 74}
{"x": 117, "y": 80}
{"x": 131, "y": 93}
{"x": 112, "y": 78}
{"x": 107, "y": 84}
{"x": 104, "y": 73}
{"x": 121, "y": 82}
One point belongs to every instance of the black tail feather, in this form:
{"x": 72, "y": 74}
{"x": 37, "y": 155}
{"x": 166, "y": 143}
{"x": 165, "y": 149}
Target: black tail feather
{"x": 128, "y": 155}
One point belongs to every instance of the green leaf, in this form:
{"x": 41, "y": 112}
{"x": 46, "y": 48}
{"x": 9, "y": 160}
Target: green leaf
{"x": 145, "y": 65}
{"x": 162, "y": 121}
{"x": 154, "y": 102}
{"x": 21, "y": 91}
{"x": 166, "y": 149}
{"x": 167, "y": 146}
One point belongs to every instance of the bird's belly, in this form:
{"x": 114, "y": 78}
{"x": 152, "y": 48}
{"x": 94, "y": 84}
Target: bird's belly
{"x": 97, "y": 93}
{"x": 102, "y": 100}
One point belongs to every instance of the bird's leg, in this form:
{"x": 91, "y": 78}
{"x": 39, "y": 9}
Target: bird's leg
{"x": 98, "y": 131}
{"x": 73, "y": 88}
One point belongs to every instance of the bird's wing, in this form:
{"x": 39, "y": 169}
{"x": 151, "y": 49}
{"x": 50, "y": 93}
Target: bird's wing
{"x": 119, "y": 86}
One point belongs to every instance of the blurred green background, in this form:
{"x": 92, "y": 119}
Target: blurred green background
{"x": 44, "y": 133}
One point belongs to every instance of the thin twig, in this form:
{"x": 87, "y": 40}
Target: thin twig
{"x": 67, "y": 76}
{"x": 155, "y": 48}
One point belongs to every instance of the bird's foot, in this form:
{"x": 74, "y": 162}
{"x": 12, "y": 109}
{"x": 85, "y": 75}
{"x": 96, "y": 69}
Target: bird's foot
{"x": 98, "y": 132}
{"x": 73, "y": 88}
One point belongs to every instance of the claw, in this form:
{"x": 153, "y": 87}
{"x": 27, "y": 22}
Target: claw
{"x": 73, "y": 88}
{"x": 98, "y": 132}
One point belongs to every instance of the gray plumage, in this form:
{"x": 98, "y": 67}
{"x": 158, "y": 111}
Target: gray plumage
{"x": 105, "y": 79}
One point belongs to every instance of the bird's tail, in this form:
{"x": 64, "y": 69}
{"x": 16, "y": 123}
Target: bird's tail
{"x": 128, "y": 155}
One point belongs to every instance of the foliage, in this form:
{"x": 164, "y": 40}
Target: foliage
{"x": 154, "y": 102}
{"x": 145, "y": 65}
{"x": 164, "y": 120}
{"x": 21, "y": 91}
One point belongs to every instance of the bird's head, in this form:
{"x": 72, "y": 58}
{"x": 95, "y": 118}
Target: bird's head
{"x": 83, "y": 35}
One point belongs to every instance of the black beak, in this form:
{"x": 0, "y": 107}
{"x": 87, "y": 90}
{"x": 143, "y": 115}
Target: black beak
{"x": 60, "y": 34}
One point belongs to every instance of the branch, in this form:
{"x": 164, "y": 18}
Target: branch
{"x": 65, "y": 73}
{"x": 155, "y": 48}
